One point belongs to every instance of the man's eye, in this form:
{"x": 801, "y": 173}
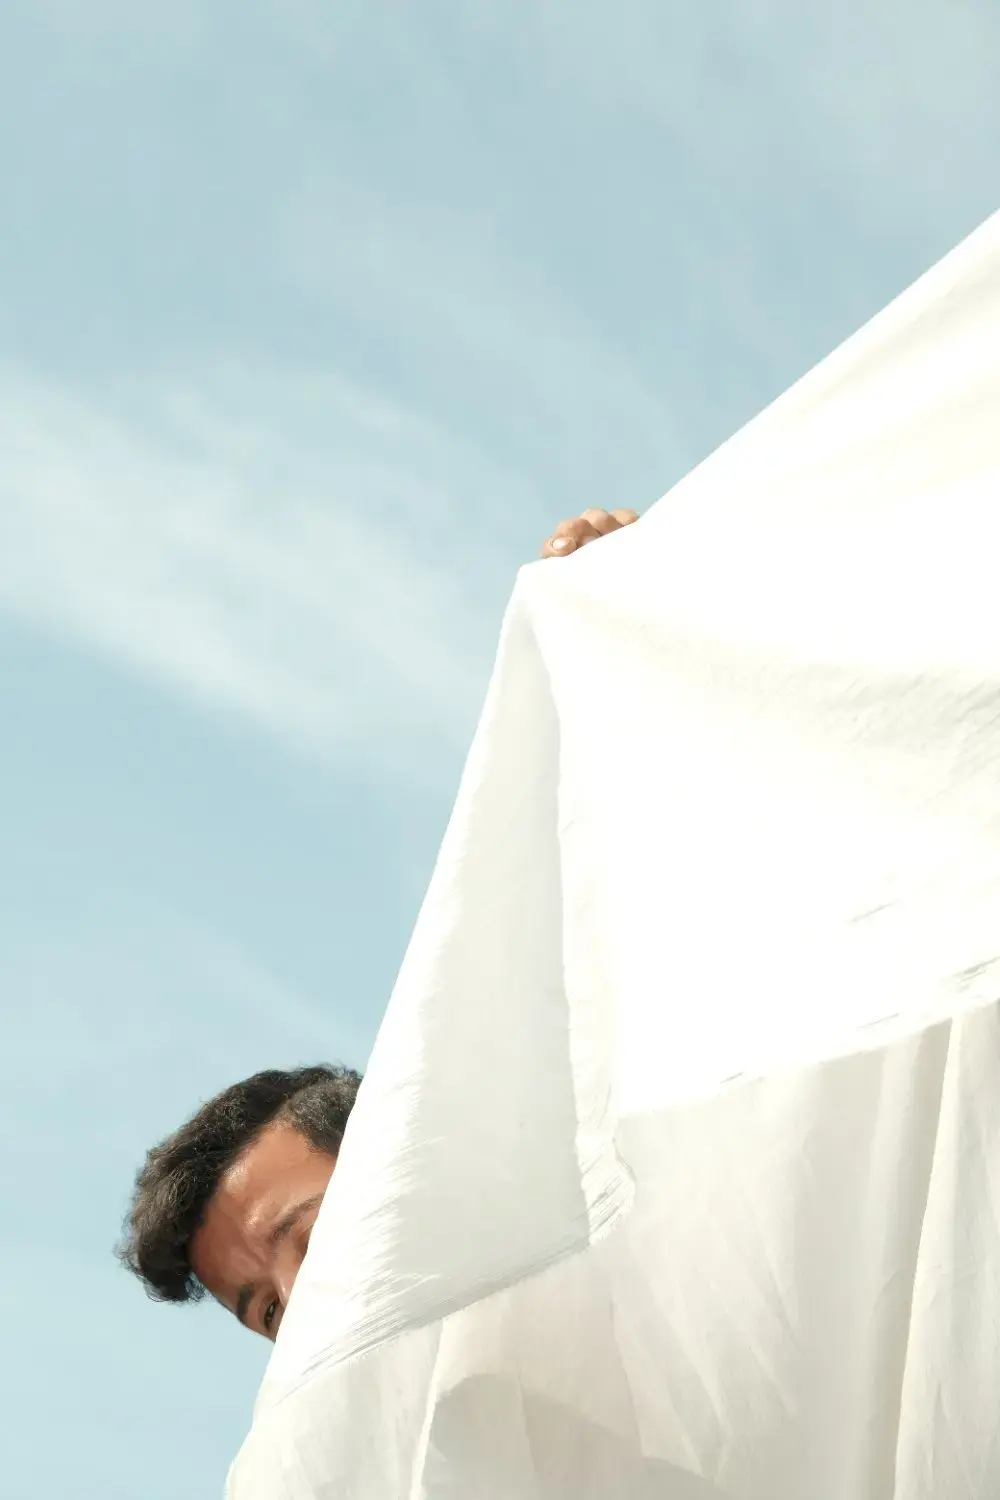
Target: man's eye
{"x": 270, "y": 1313}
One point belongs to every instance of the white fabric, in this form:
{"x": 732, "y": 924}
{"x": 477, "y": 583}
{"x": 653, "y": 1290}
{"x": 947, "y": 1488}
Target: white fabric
{"x": 676, "y": 1170}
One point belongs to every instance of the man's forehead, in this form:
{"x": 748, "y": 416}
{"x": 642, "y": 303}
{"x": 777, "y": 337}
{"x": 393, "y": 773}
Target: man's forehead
{"x": 256, "y": 1201}
{"x": 228, "y": 1248}
{"x": 249, "y": 1188}
{"x": 261, "y": 1170}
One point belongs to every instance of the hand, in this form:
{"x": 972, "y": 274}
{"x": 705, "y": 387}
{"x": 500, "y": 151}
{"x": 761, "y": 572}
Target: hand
{"x": 570, "y": 536}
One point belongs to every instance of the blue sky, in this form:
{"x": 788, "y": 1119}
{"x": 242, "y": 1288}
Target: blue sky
{"x": 314, "y": 317}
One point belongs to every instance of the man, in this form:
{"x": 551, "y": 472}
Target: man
{"x": 226, "y": 1205}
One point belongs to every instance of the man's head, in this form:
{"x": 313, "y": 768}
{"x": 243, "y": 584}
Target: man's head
{"x": 227, "y": 1203}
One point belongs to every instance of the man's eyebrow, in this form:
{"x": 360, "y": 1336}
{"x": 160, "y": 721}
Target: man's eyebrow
{"x": 287, "y": 1224}
{"x": 243, "y": 1300}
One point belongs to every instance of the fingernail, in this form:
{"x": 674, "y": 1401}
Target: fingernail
{"x": 562, "y": 544}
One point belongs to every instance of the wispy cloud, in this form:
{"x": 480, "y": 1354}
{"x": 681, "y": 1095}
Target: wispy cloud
{"x": 298, "y": 553}
{"x": 536, "y": 369}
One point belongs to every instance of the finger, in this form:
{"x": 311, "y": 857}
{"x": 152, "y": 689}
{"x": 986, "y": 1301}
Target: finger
{"x": 569, "y": 536}
{"x": 625, "y": 517}
{"x": 603, "y": 521}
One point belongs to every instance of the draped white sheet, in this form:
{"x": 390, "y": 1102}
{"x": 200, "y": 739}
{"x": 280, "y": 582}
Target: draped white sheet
{"x": 676, "y": 1170}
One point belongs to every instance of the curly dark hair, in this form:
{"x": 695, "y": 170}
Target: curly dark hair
{"x": 173, "y": 1189}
